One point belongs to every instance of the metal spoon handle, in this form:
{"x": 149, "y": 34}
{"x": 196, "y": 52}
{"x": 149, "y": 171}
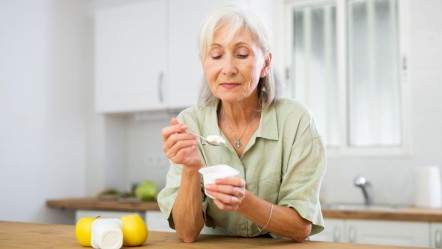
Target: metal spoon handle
{"x": 203, "y": 138}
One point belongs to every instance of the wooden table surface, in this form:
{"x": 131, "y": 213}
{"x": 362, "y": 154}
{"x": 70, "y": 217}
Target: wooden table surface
{"x": 29, "y": 235}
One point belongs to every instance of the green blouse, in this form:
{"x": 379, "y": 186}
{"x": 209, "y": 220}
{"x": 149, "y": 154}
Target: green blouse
{"x": 283, "y": 163}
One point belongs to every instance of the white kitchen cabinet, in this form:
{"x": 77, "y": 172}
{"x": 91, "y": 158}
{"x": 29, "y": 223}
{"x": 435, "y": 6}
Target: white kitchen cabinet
{"x": 146, "y": 54}
{"x": 398, "y": 233}
{"x": 333, "y": 232}
{"x": 130, "y": 56}
{"x": 436, "y": 235}
{"x": 157, "y": 222}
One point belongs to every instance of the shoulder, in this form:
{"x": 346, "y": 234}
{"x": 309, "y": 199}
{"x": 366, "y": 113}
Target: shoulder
{"x": 192, "y": 110}
{"x": 195, "y": 113}
{"x": 290, "y": 108}
{"x": 295, "y": 116}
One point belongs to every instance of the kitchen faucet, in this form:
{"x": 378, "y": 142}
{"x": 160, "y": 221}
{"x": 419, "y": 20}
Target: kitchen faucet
{"x": 365, "y": 186}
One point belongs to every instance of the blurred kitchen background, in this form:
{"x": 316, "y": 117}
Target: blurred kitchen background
{"x": 87, "y": 85}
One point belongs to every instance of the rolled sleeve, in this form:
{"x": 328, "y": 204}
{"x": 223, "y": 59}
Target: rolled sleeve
{"x": 166, "y": 197}
{"x": 301, "y": 181}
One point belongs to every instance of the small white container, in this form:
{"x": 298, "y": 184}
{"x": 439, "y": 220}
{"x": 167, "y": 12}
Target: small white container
{"x": 211, "y": 173}
{"x": 107, "y": 234}
{"x": 428, "y": 192}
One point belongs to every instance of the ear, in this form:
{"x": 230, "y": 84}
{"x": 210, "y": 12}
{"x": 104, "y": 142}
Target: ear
{"x": 266, "y": 67}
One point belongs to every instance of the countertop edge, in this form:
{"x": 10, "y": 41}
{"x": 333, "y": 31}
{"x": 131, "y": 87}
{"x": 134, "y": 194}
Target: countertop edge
{"x": 413, "y": 214}
{"x": 102, "y": 204}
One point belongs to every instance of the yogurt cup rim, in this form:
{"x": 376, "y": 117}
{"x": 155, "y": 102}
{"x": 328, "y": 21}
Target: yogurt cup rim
{"x": 218, "y": 169}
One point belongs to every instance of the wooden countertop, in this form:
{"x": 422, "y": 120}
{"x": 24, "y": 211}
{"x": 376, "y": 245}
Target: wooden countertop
{"x": 401, "y": 214}
{"x": 102, "y": 204}
{"x": 29, "y": 235}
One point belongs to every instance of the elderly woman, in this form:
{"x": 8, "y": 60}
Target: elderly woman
{"x": 272, "y": 142}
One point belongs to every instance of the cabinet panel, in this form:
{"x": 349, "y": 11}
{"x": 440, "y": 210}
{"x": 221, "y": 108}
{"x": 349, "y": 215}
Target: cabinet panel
{"x": 130, "y": 56}
{"x": 436, "y": 235}
{"x": 333, "y": 232}
{"x": 396, "y": 233}
{"x": 157, "y": 222}
{"x": 388, "y": 232}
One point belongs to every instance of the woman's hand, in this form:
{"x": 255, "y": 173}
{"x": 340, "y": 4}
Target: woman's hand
{"x": 180, "y": 146}
{"x": 228, "y": 193}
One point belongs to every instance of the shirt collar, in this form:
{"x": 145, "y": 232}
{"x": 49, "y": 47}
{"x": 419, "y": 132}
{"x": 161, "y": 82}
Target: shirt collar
{"x": 212, "y": 116}
{"x": 268, "y": 127}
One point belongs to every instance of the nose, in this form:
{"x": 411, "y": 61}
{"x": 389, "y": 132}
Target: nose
{"x": 228, "y": 66}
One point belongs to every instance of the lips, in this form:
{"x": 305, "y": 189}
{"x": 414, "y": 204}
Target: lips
{"x": 229, "y": 85}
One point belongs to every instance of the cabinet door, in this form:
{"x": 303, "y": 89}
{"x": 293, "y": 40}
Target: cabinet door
{"x": 396, "y": 233}
{"x": 157, "y": 222}
{"x": 333, "y": 232}
{"x": 185, "y": 70}
{"x": 130, "y": 56}
{"x": 436, "y": 235}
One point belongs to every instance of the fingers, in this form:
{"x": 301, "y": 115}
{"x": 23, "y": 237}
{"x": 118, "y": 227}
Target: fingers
{"x": 228, "y": 192}
{"x": 178, "y": 145}
{"x": 177, "y": 142}
{"x": 226, "y": 202}
{"x": 235, "y": 181}
{"x": 225, "y": 206}
{"x": 174, "y": 127}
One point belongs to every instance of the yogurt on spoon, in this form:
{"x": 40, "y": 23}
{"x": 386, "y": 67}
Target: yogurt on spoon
{"x": 214, "y": 140}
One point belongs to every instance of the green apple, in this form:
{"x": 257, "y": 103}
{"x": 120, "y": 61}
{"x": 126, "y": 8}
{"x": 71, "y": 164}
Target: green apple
{"x": 146, "y": 191}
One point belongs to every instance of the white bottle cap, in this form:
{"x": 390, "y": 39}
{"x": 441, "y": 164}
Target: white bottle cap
{"x": 107, "y": 234}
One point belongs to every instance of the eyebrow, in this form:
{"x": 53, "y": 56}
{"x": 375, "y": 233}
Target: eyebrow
{"x": 236, "y": 44}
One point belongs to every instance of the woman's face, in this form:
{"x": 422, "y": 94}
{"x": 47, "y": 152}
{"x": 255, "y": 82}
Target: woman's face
{"x": 234, "y": 67}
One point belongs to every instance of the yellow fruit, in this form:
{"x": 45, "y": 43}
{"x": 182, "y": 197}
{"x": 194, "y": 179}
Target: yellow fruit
{"x": 134, "y": 230}
{"x": 83, "y": 230}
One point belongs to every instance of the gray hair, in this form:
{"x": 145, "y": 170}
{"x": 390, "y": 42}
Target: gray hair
{"x": 269, "y": 87}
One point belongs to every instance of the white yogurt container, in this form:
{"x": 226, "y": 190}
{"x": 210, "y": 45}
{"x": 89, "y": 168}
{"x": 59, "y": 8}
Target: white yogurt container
{"x": 428, "y": 189}
{"x": 107, "y": 234}
{"x": 211, "y": 173}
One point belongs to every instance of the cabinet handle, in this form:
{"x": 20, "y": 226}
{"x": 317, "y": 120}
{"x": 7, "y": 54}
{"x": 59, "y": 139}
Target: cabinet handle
{"x": 336, "y": 234}
{"x": 351, "y": 234}
{"x": 437, "y": 240}
{"x": 160, "y": 87}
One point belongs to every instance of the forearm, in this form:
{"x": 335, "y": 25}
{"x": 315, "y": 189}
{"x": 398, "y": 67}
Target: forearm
{"x": 283, "y": 221}
{"x": 187, "y": 209}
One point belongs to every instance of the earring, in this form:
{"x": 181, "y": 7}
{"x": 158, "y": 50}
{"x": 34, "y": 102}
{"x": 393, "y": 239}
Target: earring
{"x": 266, "y": 71}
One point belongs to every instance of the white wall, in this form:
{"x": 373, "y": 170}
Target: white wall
{"x": 43, "y": 77}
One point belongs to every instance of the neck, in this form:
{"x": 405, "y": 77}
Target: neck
{"x": 240, "y": 113}
{"x": 238, "y": 136}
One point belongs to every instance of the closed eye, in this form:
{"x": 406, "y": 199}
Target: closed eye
{"x": 242, "y": 56}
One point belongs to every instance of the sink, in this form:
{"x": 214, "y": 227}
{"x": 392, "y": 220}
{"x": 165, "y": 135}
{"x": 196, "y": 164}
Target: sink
{"x": 362, "y": 207}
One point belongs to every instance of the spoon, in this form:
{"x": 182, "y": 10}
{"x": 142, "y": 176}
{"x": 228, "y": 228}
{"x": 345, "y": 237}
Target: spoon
{"x": 214, "y": 140}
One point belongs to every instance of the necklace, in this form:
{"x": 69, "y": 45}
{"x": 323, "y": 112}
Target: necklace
{"x": 238, "y": 139}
